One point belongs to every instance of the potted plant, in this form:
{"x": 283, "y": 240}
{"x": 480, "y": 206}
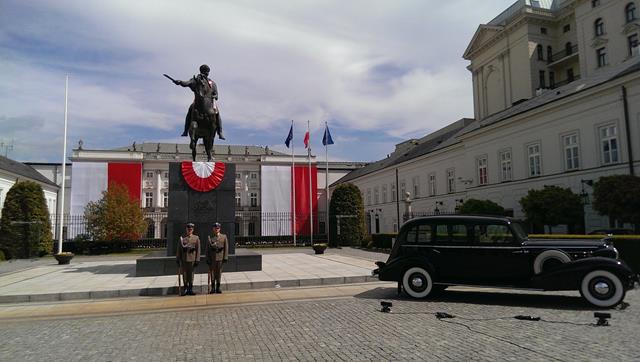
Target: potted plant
{"x": 319, "y": 248}
{"x": 64, "y": 257}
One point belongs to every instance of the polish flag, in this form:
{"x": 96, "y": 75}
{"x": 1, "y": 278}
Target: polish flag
{"x": 277, "y": 202}
{"x": 90, "y": 179}
{"x": 306, "y": 140}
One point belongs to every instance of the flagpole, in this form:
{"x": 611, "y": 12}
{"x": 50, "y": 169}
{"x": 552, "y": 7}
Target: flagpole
{"x": 326, "y": 180}
{"x": 64, "y": 164}
{"x": 310, "y": 189}
{"x": 293, "y": 185}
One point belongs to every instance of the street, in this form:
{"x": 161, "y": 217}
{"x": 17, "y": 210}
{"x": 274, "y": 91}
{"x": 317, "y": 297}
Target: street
{"x": 349, "y": 328}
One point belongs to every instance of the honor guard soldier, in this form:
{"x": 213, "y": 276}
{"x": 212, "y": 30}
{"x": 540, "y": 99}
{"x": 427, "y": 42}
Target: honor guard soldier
{"x": 217, "y": 254}
{"x": 187, "y": 257}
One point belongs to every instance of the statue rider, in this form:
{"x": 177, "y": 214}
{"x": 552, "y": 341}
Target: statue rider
{"x": 207, "y": 90}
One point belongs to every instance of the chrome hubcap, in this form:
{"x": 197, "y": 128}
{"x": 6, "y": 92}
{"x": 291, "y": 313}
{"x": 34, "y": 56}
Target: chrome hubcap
{"x": 601, "y": 288}
{"x": 417, "y": 282}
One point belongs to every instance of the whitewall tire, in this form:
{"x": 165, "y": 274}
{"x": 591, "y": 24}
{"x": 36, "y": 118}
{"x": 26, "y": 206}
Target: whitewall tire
{"x": 417, "y": 282}
{"x": 547, "y": 256}
{"x": 602, "y": 289}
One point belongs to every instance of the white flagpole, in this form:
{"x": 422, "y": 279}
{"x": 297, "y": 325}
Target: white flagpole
{"x": 310, "y": 190}
{"x": 293, "y": 185}
{"x": 326, "y": 178}
{"x": 64, "y": 165}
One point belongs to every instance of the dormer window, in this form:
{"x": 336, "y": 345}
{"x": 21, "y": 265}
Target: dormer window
{"x": 599, "y": 27}
{"x": 630, "y": 12}
{"x": 595, "y": 3}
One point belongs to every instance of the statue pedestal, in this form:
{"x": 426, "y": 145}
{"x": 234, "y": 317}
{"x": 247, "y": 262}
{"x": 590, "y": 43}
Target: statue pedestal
{"x": 202, "y": 209}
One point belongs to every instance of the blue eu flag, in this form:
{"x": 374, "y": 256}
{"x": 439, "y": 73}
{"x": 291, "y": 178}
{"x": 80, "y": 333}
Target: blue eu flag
{"x": 326, "y": 139}
{"x": 289, "y": 137}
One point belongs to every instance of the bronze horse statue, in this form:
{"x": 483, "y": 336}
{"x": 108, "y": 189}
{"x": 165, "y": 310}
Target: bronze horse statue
{"x": 203, "y": 118}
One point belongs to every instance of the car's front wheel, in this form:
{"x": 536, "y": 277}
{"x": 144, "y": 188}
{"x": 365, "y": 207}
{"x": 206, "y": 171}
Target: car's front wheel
{"x": 417, "y": 282}
{"x": 602, "y": 289}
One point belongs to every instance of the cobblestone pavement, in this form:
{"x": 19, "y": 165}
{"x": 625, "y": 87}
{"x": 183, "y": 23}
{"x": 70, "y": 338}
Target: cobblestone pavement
{"x": 348, "y": 328}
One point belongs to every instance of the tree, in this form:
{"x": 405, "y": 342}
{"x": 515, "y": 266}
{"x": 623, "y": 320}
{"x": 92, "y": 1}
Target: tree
{"x": 25, "y": 228}
{"x": 553, "y": 206}
{"x": 618, "y": 197}
{"x": 115, "y": 216}
{"x": 347, "y": 209}
{"x": 482, "y": 207}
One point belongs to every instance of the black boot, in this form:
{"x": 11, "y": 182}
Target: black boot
{"x": 191, "y": 289}
{"x": 213, "y": 287}
{"x": 218, "y": 291}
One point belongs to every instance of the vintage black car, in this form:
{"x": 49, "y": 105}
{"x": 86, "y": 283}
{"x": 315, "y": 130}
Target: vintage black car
{"x": 434, "y": 252}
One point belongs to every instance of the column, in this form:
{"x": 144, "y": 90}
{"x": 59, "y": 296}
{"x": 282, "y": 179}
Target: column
{"x": 158, "y": 196}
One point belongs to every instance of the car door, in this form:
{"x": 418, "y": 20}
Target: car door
{"x": 499, "y": 258}
{"x": 451, "y": 245}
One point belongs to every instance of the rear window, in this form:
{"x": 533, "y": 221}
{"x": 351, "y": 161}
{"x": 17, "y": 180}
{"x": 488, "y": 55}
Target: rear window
{"x": 421, "y": 234}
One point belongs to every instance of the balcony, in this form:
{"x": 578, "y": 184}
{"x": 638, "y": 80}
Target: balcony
{"x": 563, "y": 56}
{"x": 566, "y": 81}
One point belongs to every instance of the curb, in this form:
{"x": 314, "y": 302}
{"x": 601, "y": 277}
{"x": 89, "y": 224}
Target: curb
{"x": 173, "y": 290}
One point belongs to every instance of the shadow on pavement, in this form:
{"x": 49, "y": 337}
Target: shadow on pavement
{"x": 489, "y": 297}
{"x": 128, "y": 269}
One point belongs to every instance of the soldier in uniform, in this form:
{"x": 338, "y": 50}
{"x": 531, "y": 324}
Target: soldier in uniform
{"x": 217, "y": 253}
{"x": 187, "y": 257}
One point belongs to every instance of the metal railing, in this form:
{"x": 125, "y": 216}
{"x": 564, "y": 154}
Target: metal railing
{"x": 563, "y": 53}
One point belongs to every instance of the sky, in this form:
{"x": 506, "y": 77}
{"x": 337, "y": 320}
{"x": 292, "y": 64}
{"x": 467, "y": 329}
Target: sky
{"x": 378, "y": 72}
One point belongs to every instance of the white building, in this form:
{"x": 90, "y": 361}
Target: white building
{"x": 556, "y": 88}
{"x": 249, "y": 160}
{"x": 13, "y": 171}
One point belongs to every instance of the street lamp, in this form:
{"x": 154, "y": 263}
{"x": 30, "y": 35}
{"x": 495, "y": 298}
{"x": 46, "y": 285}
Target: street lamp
{"x": 583, "y": 193}
{"x": 436, "y": 210}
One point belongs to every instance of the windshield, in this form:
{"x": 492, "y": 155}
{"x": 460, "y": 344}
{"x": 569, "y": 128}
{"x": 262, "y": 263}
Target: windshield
{"x": 519, "y": 230}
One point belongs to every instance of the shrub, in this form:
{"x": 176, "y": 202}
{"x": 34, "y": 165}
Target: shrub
{"x": 618, "y": 197}
{"x": 346, "y": 204}
{"x": 553, "y": 206}
{"x": 2, "y": 257}
{"x": 481, "y": 207}
{"x": 115, "y": 216}
{"x": 25, "y": 229}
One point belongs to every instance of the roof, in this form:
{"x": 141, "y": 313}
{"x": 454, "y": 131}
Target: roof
{"x": 23, "y": 170}
{"x": 411, "y": 149}
{"x": 553, "y": 95}
{"x": 149, "y": 147}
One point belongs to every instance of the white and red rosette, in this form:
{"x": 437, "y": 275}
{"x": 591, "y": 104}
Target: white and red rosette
{"x": 203, "y": 176}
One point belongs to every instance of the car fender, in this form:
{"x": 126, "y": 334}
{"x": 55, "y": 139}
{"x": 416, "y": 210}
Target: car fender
{"x": 569, "y": 275}
{"x": 394, "y": 269}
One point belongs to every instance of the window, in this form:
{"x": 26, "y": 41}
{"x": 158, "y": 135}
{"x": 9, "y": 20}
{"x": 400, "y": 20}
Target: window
{"x": 506, "y": 173}
{"x": 540, "y": 52}
{"x": 533, "y": 152}
{"x": 609, "y": 144}
{"x": 148, "y": 199}
{"x": 571, "y": 157}
{"x": 566, "y": 28}
{"x": 425, "y": 234}
{"x": 598, "y": 26}
{"x": 149, "y": 174}
{"x": 451, "y": 233}
{"x": 570, "y": 76}
{"x": 543, "y": 31}
{"x": 376, "y": 196}
{"x": 416, "y": 186}
{"x": 542, "y": 83}
{"x": 549, "y": 54}
{"x": 595, "y": 3}
{"x": 432, "y": 184}
{"x": 368, "y": 196}
{"x": 393, "y": 192}
{"x": 238, "y": 199}
{"x": 165, "y": 199}
{"x": 482, "y": 171}
{"x": 632, "y": 40}
{"x": 451, "y": 180}
{"x": 166, "y": 174}
{"x": 238, "y": 176}
{"x": 630, "y": 12}
{"x": 254, "y": 175}
{"x": 403, "y": 189}
{"x": 492, "y": 234}
{"x": 552, "y": 79}
{"x": 252, "y": 228}
{"x": 254, "y": 199}
{"x": 384, "y": 194}
{"x": 568, "y": 48}
{"x": 602, "y": 57}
